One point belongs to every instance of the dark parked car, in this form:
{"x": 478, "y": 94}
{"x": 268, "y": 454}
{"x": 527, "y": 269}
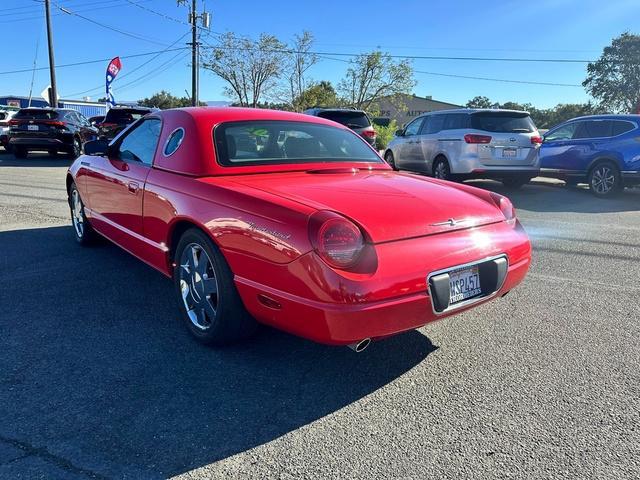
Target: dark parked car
{"x": 96, "y": 119}
{"x": 49, "y": 129}
{"x": 117, "y": 118}
{"x": 601, "y": 150}
{"x": 356, "y": 120}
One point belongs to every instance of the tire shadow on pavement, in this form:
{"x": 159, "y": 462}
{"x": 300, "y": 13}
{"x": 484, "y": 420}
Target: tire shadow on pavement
{"x": 98, "y": 373}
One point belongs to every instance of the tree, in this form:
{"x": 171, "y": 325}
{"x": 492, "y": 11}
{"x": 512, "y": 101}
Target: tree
{"x": 164, "y": 100}
{"x": 479, "y": 102}
{"x": 320, "y": 94}
{"x": 250, "y": 68}
{"x": 374, "y": 75}
{"x": 300, "y": 60}
{"x": 614, "y": 79}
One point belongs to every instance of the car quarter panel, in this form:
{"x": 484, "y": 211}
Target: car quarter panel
{"x": 272, "y": 229}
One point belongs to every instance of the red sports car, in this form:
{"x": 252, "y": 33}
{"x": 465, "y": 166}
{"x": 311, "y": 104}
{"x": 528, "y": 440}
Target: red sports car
{"x": 292, "y": 221}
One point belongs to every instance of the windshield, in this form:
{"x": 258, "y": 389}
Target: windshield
{"x": 281, "y": 142}
{"x": 349, "y": 119}
{"x": 505, "y": 122}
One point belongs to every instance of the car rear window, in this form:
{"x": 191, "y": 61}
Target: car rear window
{"x": 282, "y": 142}
{"x": 36, "y": 114}
{"x": 124, "y": 116}
{"x": 348, "y": 119}
{"x": 621, "y": 126}
{"x": 502, "y": 122}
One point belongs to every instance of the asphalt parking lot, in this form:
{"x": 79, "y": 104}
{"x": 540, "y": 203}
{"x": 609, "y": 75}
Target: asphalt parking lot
{"x": 98, "y": 378}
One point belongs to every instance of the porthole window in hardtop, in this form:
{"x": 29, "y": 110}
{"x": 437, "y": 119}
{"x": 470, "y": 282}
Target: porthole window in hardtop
{"x": 173, "y": 142}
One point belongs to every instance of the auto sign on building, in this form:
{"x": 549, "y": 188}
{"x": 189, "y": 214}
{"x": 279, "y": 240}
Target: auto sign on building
{"x": 404, "y": 108}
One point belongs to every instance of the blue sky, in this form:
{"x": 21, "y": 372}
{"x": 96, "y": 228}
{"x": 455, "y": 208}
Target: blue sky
{"x": 560, "y": 29}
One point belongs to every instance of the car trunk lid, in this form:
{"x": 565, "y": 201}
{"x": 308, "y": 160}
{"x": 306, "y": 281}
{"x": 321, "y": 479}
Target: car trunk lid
{"x": 388, "y": 205}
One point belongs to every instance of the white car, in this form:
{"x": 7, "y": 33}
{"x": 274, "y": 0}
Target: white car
{"x": 469, "y": 143}
{"x": 5, "y": 116}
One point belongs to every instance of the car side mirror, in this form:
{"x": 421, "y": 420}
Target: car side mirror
{"x": 96, "y": 147}
{"x": 400, "y": 132}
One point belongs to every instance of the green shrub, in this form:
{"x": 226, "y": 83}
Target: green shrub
{"x": 385, "y": 134}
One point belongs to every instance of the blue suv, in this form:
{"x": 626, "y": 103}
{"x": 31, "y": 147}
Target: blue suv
{"x": 601, "y": 150}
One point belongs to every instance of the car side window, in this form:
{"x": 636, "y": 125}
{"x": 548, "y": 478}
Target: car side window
{"x": 563, "y": 133}
{"x": 620, "y": 126}
{"x": 173, "y": 142}
{"x": 140, "y": 144}
{"x": 436, "y": 123}
{"x": 593, "y": 129}
{"x": 455, "y": 121}
{"x": 413, "y": 128}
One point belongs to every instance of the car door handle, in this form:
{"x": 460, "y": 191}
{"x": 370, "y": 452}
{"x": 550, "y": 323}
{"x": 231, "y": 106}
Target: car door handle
{"x": 133, "y": 187}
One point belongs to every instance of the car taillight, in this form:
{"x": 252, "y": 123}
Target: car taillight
{"x": 106, "y": 125}
{"x": 505, "y": 206}
{"x": 13, "y": 122}
{"x": 474, "y": 138}
{"x": 536, "y": 140}
{"x": 337, "y": 240}
{"x": 369, "y": 133}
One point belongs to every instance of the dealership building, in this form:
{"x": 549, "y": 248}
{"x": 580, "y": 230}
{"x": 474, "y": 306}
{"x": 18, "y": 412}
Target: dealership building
{"x": 403, "y": 108}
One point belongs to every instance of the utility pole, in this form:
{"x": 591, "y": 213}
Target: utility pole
{"x": 53, "y": 91}
{"x": 195, "y": 47}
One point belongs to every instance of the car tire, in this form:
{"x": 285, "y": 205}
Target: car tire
{"x": 20, "y": 152}
{"x": 441, "y": 169}
{"x": 76, "y": 148}
{"x": 83, "y": 232}
{"x": 388, "y": 157}
{"x": 207, "y": 296}
{"x": 604, "y": 180}
{"x": 515, "y": 182}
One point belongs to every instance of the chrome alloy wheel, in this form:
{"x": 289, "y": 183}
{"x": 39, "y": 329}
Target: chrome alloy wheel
{"x": 77, "y": 213}
{"x": 603, "y": 179}
{"x": 198, "y": 286}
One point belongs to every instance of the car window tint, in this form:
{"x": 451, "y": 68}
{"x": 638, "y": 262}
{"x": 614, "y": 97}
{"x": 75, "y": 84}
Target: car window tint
{"x": 36, "y": 114}
{"x": 140, "y": 144}
{"x": 563, "y": 133}
{"x": 413, "y": 128}
{"x": 455, "y": 121}
{"x": 174, "y": 141}
{"x": 502, "y": 122}
{"x": 620, "y": 126}
{"x": 282, "y": 142}
{"x": 593, "y": 129}
{"x": 349, "y": 119}
{"x": 436, "y": 123}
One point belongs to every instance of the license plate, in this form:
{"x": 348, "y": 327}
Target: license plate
{"x": 464, "y": 284}
{"x": 32, "y": 127}
{"x": 509, "y": 152}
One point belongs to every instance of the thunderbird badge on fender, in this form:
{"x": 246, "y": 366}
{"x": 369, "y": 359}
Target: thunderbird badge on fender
{"x": 293, "y": 221}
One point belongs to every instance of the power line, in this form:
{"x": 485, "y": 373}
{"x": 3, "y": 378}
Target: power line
{"x": 503, "y": 80}
{"x": 35, "y": 15}
{"x": 100, "y": 87}
{"x": 88, "y": 62}
{"x": 128, "y": 34}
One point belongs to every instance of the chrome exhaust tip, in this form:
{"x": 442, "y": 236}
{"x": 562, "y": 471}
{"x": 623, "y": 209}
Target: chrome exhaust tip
{"x": 360, "y": 346}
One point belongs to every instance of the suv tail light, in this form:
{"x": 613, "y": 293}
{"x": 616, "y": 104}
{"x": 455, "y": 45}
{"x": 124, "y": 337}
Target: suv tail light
{"x": 536, "y": 140}
{"x": 337, "y": 240}
{"x": 369, "y": 133}
{"x": 54, "y": 123}
{"x": 14, "y": 122}
{"x": 505, "y": 206}
{"x": 475, "y": 138}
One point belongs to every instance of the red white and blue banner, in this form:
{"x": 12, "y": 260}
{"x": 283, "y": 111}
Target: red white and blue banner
{"x": 112, "y": 71}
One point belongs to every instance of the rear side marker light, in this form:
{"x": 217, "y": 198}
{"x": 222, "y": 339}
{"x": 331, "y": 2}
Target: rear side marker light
{"x": 474, "y": 138}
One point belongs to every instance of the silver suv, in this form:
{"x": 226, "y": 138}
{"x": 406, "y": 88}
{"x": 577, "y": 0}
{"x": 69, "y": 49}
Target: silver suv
{"x": 469, "y": 143}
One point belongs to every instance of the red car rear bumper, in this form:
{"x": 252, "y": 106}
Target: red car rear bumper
{"x": 341, "y": 323}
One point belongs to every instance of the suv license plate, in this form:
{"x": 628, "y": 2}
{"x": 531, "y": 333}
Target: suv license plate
{"x": 464, "y": 284}
{"x": 509, "y": 152}
{"x": 32, "y": 128}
